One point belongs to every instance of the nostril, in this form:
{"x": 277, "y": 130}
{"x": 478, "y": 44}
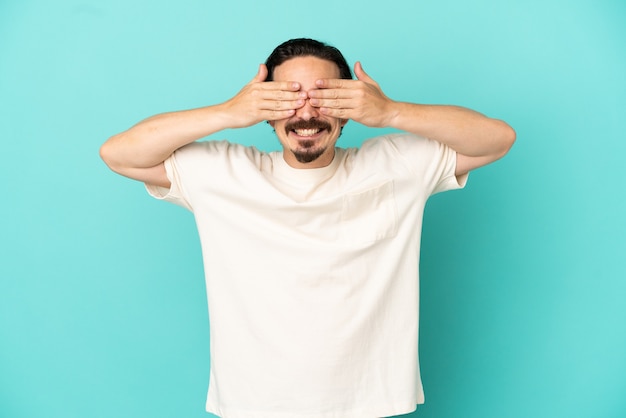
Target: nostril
{"x": 307, "y": 111}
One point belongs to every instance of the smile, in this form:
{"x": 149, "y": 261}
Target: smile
{"x": 306, "y": 132}
{"x": 307, "y": 128}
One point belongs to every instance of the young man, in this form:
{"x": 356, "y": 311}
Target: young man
{"x": 311, "y": 254}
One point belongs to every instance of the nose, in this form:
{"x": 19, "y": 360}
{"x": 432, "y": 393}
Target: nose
{"x": 307, "y": 112}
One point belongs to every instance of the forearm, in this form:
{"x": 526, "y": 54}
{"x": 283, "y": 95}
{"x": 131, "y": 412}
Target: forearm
{"x": 152, "y": 141}
{"x": 465, "y": 131}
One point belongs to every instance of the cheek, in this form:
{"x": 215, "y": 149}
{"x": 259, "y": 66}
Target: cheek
{"x": 275, "y": 125}
{"x": 339, "y": 125}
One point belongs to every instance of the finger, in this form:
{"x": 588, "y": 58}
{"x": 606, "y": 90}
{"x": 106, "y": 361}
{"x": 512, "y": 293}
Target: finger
{"x": 362, "y": 75}
{"x": 341, "y": 113}
{"x": 333, "y": 83}
{"x": 281, "y": 85}
{"x": 271, "y": 115}
{"x": 281, "y": 104}
{"x": 281, "y": 95}
{"x": 334, "y": 103}
{"x": 261, "y": 74}
{"x": 331, "y": 94}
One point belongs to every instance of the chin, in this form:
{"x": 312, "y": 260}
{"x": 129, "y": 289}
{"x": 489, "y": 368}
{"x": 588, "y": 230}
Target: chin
{"x": 308, "y": 156}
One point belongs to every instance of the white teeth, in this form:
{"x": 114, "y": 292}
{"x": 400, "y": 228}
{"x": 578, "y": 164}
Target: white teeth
{"x": 306, "y": 132}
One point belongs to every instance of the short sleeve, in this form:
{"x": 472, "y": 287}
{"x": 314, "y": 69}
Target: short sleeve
{"x": 175, "y": 193}
{"x": 432, "y": 162}
{"x": 446, "y": 179}
{"x": 199, "y": 170}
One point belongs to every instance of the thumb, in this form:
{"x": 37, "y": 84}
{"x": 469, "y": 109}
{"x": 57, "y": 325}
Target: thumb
{"x": 361, "y": 74}
{"x": 261, "y": 75}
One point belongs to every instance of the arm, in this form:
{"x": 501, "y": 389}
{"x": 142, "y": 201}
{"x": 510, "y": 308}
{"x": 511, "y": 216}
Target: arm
{"x": 477, "y": 139}
{"x": 140, "y": 151}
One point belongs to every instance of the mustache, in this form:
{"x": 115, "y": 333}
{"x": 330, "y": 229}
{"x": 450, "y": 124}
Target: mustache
{"x": 307, "y": 124}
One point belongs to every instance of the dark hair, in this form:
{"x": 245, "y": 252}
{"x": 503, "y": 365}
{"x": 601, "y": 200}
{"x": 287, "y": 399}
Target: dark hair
{"x": 304, "y": 47}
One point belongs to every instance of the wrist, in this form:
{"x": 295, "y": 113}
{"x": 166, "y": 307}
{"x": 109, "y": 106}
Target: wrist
{"x": 224, "y": 117}
{"x": 394, "y": 115}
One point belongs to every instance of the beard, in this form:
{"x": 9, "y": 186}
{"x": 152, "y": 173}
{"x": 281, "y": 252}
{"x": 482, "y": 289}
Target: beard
{"x": 307, "y": 151}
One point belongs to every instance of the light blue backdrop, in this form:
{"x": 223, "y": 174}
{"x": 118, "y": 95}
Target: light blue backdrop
{"x": 102, "y": 305}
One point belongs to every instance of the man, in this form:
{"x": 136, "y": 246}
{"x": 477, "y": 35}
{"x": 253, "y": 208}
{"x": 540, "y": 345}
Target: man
{"x": 310, "y": 254}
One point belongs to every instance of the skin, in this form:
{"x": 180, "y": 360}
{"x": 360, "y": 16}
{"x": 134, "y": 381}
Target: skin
{"x": 477, "y": 139}
{"x": 308, "y": 70}
{"x": 305, "y": 89}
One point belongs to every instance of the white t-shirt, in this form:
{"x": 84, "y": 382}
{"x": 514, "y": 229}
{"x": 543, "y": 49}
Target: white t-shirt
{"x": 312, "y": 274}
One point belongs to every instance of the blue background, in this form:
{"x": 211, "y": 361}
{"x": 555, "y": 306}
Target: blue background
{"x": 102, "y": 304}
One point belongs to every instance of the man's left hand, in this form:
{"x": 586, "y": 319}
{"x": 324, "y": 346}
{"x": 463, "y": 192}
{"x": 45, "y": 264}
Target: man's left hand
{"x": 361, "y": 100}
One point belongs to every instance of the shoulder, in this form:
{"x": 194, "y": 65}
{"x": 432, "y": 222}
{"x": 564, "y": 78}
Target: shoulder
{"x": 406, "y": 153}
{"x": 215, "y": 151}
{"x": 399, "y": 142}
{"x": 400, "y": 147}
{"x": 218, "y": 147}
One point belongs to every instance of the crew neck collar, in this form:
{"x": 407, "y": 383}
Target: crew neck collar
{"x": 291, "y": 174}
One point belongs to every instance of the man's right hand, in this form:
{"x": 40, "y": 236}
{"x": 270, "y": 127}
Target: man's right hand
{"x": 140, "y": 151}
{"x": 260, "y": 100}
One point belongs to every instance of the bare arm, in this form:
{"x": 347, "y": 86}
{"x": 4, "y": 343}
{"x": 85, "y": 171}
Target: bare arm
{"x": 140, "y": 151}
{"x": 477, "y": 139}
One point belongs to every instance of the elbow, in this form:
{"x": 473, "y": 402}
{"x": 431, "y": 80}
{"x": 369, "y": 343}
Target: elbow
{"x": 506, "y": 139}
{"x": 107, "y": 153}
{"x": 511, "y": 136}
